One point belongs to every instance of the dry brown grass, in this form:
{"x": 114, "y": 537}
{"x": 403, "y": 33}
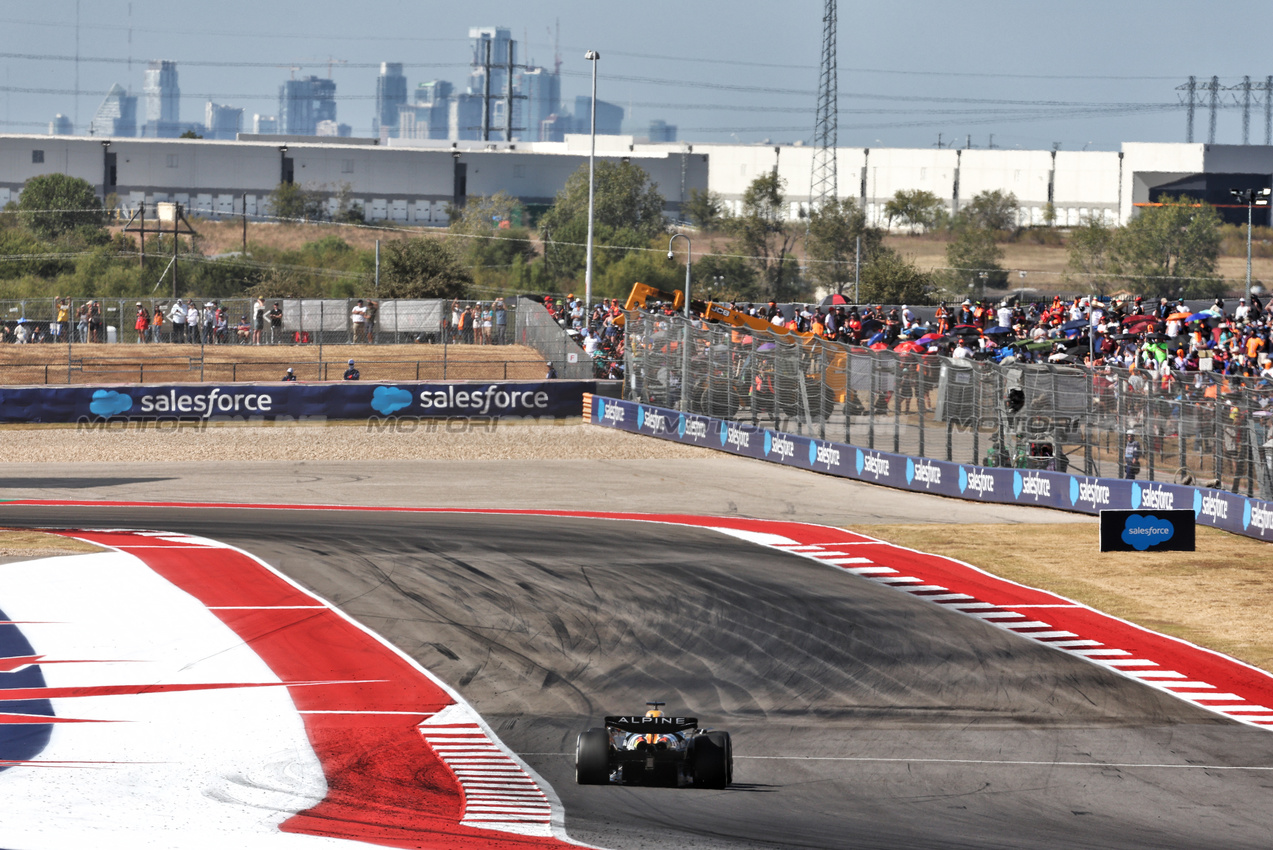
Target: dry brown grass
{"x": 24, "y": 545}
{"x": 1220, "y": 596}
{"x": 164, "y": 363}
{"x": 1048, "y": 264}
{"x": 221, "y": 237}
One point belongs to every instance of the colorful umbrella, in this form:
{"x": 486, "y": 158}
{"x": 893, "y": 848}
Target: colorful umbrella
{"x": 1175, "y": 316}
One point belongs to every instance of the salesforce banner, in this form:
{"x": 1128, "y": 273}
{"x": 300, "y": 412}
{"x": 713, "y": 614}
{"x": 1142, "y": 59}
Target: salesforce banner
{"x": 346, "y": 400}
{"x": 1085, "y": 494}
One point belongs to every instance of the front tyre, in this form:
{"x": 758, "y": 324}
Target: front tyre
{"x": 592, "y": 757}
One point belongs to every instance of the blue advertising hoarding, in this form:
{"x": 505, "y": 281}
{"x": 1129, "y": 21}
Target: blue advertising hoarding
{"x": 283, "y": 401}
{"x": 1084, "y": 494}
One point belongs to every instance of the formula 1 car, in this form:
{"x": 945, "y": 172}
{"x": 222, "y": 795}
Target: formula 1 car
{"x": 654, "y": 749}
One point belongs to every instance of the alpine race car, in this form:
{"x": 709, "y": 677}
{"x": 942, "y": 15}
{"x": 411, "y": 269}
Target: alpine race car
{"x": 654, "y": 749}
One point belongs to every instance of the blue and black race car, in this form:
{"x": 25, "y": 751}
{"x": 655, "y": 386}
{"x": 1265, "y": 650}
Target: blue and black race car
{"x": 654, "y": 749}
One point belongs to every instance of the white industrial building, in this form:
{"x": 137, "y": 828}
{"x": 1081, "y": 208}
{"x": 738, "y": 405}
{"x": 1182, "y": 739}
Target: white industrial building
{"x": 413, "y": 181}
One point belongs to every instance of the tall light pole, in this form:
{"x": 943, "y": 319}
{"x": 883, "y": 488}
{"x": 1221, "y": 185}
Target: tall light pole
{"x": 689, "y": 258}
{"x": 685, "y": 341}
{"x": 1252, "y": 198}
{"x": 592, "y": 56}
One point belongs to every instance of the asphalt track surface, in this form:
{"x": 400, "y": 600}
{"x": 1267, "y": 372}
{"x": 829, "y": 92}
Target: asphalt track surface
{"x": 862, "y": 717}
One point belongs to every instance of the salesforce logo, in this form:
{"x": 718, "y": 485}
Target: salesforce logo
{"x": 976, "y": 480}
{"x": 732, "y": 435}
{"x": 609, "y": 412}
{"x": 655, "y": 421}
{"x": 1210, "y": 505}
{"x": 694, "y": 429}
{"x": 1088, "y": 492}
{"x": 823, "y": 455}
{"x": 924, "y": 471}
{"x": 107, "y": 403}
{"x": 869, "y": 464}
{"x": 1152, "y": 498}
{"x": 387, "y": 400}
{"x": 782, "y": 446}
{"x": 1254, "y": 515}
{"x": 1141, "y": 532}
{"x": 1034, "y": 486}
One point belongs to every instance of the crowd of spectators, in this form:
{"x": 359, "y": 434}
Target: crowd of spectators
{"x": 601, "y": 335}
{"x": 1125, "y": 331}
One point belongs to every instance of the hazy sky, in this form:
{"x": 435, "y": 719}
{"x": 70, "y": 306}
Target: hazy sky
{"x": 1078, "y": 73}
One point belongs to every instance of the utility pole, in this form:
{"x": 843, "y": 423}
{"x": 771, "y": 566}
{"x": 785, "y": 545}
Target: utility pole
{"x": 823, "y": 186}
{"x": 1213, "y": 105}
{"x": 1191, "y": 89}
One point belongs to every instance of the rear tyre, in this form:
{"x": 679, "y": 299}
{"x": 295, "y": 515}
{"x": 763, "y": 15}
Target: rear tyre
{"x": 711, "y": 767}
{"x": 592, "y": 757}
{"x": 722, "y": 740}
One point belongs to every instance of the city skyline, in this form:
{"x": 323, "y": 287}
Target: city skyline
{"x": 987, "y": 73}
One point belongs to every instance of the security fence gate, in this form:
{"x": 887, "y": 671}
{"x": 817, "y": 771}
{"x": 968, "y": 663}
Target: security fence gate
{"x": 1191, "y": 427}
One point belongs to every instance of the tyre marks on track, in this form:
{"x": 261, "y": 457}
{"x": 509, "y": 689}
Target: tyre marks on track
{"x": 1196, "y": 675}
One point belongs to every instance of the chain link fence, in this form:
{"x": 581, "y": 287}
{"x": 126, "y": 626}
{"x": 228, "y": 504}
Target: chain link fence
{"x": 538, "y": 329}
{"x": 247, "y": 321}
{"x": 1191, "y": 427}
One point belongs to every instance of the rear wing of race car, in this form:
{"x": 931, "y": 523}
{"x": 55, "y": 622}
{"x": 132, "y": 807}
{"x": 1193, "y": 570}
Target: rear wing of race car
{"x": 639, "y": 725}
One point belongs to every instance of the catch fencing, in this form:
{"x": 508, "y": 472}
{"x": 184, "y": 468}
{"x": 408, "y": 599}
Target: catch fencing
{"x": 537, "y": 328}
{"x": 1192, "y": 427}
{"x": 301, "y": 321}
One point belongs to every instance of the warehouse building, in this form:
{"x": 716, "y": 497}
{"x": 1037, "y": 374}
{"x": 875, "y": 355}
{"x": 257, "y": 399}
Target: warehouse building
{"x": 413, "y": 181}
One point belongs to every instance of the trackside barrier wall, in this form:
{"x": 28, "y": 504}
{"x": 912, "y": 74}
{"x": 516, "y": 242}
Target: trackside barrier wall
{"x": 1084, "y": 494}
{"x": 274, "y": 401}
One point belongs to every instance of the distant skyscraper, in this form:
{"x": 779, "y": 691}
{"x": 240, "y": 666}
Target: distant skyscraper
{"x": 61, "y": 126}
{"x": 223, "y": 122}
{"x": 542, "y": 91}
{"x": 264, "y": 124}
{"x": 391, "y": 95}
{"x": 661, "y": 131}
{"x": 555, "y": 127}
{"x": 464, "y": 117}
{"x": 117, "y": 116}
{"x": 609, "y": 117}
{"x": 163, "y": 100}
{"x": 499, "y": 40}
{"x": 429, "y": 117}
{"x": 303, "y": 103}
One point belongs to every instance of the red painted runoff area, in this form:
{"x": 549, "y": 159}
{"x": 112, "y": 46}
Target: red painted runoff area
{"x": 387, "y": 733}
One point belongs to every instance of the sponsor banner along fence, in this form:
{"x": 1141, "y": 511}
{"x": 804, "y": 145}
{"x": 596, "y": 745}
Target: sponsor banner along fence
{"x": 1084, "y": 494}
{"x": 346, "y": 400}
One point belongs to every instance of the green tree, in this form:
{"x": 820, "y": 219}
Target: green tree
{"x": 991, "y": 210}
{"x": 652, "y": 268}
{"x": 891, "y": 279}
{"x": 765, "y": 237}
{"x": 1171, "y": 250}
{"x": 628, "y": 213}
{"x": 53, "y": 205}
{"x": 916, "y": 208}
{"x": 831, "y": 243}
{"x": 721, "y": 277}
{"x": 973, "y": 253}
{"x": 291, "y": 201}
{"x": 422, "y": 268}
{"x": 497, "y": 254}
{"x": 1091, "y": 254}
{"x": 704, "y": 209}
